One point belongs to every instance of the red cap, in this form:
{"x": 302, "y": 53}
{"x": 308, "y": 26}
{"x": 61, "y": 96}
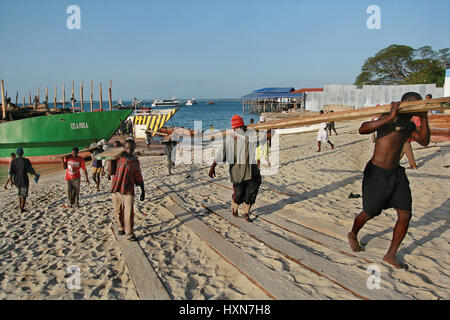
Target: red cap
{"x": 236, "y": 121}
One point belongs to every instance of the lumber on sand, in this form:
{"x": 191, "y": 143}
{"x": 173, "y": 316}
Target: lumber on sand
{"x": 270, "y": 281}
{"x": 147, "y": 283}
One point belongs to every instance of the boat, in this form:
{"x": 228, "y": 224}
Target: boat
{"x": 210, "y": 102}
{"x": 43, "y": 137}
{"x": 152, "y": 121}
{"x": 191, "y": 102}
{"x": 166, "y": 103}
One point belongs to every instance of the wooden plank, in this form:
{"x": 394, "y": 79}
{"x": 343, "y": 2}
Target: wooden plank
{"x": 157, "y": 132}
{"x": 353, "y": 279}
{"x": 90, "y": 149}
{"x": 316, "y": 225}
{"x": 271, "y": 282}
{"x": 147, "y": 283}
{"x": 405, "y": 107}
{"x": 299, "y": 230}
{"x": 111, "y": 154}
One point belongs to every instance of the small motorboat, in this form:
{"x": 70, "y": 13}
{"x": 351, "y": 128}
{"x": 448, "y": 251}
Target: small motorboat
{"x": 191, "y": 102}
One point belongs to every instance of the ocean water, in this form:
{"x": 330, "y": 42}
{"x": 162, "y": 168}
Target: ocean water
{"x": 219, "y": 114}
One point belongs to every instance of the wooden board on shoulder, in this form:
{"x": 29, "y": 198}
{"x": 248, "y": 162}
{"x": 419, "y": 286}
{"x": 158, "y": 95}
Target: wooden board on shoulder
{"x": 90, "y": 149}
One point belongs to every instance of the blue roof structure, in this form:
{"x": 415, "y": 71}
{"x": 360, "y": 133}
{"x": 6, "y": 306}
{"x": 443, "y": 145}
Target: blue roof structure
{"x": 268, "y": 93}
{"x": 275, "y": 90}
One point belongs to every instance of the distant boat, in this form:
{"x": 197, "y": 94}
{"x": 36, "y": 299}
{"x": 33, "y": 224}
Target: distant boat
{"x": 166, "y": 103}
{"x": 210, "y": 102}
{"x": 191, "y": 102}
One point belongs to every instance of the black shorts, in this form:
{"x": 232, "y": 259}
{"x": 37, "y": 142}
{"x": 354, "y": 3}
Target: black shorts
{"x": 383, "y": 189}
{"x": 246, "y": 191}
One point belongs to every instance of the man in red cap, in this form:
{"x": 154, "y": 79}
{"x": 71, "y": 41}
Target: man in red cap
{"x": 239, "y": 151}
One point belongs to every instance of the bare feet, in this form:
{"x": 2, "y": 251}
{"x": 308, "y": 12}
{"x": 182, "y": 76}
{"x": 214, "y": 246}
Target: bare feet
{"x": 394, "y": 262}
{"x": 234, "y": 212}
{"x": 353, "y": 242}
{"x": 318, "y": 150}
{"x": 246, "y": 217}
{"x": 332, "y": 147}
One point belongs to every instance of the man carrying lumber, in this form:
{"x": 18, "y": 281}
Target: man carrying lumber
{"x": 18, "y": 170}
{"x": 322, "y": 135}
{"x": 331, "y": 126}
{"x": 10, "y": 179}
{"x": 72, "y": 164}
{"x": 385, "y": 184}
{"x": 97, "y": 166}
{"x": 239, "y": 151}
{"x": 126, "y": 173}
{"x": 170, "y": 141}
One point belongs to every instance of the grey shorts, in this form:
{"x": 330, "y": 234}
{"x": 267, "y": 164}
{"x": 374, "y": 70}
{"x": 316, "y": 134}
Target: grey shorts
{"x": 22, "y": 192}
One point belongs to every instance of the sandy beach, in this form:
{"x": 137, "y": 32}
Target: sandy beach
{"x": 310, "y": 188}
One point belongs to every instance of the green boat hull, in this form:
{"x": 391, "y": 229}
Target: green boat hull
{"x": 44, "y": 136}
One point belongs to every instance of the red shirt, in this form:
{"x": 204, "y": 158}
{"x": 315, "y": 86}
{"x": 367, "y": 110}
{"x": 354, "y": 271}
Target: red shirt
{"x": 74, "y": 164}
{"x": 127, "y": 175}
{"x": 417, "y": 122}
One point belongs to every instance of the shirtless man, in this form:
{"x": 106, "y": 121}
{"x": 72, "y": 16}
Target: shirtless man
{"x": 385, "y": 184}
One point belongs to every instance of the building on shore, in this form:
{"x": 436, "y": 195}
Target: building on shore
{"x": 366, "y": 96}
{"x": 275, "y": 99}
{"x": 334, "y": 96}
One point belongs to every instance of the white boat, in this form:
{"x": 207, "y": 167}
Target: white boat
{"x": 191, "y": 102}
{"x": 169, "y": 102}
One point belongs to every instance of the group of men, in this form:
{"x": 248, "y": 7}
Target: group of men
{"x": 384, "y": 184}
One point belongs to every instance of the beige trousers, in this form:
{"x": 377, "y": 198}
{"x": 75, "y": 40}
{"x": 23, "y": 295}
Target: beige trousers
{"x": 407, "y": 150}
{"x": 124, "y": 212}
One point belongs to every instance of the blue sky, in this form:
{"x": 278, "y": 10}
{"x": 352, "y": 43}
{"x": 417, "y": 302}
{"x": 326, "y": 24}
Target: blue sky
{"x": 204, "y": 49}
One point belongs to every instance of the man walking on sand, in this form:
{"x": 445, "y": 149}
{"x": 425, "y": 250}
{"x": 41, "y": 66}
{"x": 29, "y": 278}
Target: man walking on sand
{"x": 322, "y": 135}
{"x": 331, "y": 126}
{"x": 97, "y": 166}
{"x": 126, "y": 173}
{"x": 385, "y": 184}
{"x": 239, "y": 151}
{"x": 72, "y": 164}
{"x": 18, "y": 170}
{"x": 10, "y": 180}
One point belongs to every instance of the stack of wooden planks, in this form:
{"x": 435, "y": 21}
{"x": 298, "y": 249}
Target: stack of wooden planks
{"x": 439, "y": 127}
{"x": 364, "y": 113}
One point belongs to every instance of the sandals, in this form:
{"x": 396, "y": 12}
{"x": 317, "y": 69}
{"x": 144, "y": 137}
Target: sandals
{"x": 120, "y": 232}
{"x": 132, "y": 238}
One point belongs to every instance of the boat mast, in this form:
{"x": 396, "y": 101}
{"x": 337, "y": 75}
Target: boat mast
{"x": 3, "y": 102}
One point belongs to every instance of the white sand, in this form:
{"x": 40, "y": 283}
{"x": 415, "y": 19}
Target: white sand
{"x": 38, "y": 246}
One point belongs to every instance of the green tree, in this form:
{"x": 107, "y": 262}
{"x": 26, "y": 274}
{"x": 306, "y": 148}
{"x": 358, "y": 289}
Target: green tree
{"x": 399, "y": 64}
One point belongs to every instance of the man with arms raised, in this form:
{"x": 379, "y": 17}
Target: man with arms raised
{"x": 385, "y": 184}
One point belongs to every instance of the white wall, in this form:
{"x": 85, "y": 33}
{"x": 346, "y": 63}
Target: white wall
{"x": 367, "y": 96}
{"x": 447, "y": 83}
